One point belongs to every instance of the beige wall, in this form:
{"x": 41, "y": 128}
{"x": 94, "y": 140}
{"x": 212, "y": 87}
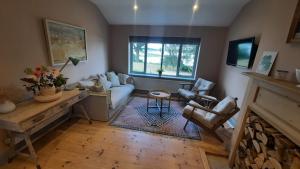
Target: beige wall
{"x": 269, "y": 21}
{"x": 22, "y": 42}
{"x": 212, "y": 44}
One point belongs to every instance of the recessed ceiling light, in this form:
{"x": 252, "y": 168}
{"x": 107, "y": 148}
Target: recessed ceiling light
{"x": 135, "y": 7}
{"x": 195, "y": 7}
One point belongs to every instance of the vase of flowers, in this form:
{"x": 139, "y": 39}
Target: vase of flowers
{"x": 44, "y": 82}
{"x": 159, "y": 71}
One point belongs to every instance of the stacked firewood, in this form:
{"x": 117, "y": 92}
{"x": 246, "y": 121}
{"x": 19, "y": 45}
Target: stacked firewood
{"x": 263, "y": 147}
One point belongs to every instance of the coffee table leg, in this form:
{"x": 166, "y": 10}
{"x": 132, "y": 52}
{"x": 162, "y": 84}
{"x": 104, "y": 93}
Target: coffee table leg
{"x": 161, "y": 106}
{"x": 147, "y": 104}
{"x": 169, "y": 104}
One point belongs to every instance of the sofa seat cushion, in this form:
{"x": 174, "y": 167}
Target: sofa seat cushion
{"x": 119, "y": 93}
{"x": 186, "y": 93}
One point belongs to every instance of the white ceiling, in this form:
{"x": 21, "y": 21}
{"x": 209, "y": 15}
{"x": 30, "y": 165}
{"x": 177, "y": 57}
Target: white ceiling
{"x": 170, "y": 12}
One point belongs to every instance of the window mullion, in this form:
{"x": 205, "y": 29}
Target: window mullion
{"x": 145, "y": 63}
{"x": 196, "y": 60}
{"x": 162, "y": 56}
{"x": 179, "y": 58}
{"x": 131, "y": 58}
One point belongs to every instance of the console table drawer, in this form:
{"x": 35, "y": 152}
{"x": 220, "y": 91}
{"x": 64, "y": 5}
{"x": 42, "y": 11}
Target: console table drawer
{"x": 36, "y": 119}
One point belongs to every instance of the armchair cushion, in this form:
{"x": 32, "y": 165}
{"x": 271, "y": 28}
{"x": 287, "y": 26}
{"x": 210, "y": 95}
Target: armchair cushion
{"x": 203, "y": 86}
{"x": 208, "y": 119}
{"x": 224, "y": 107}
{"x": 198, "y": 114}
{"x": 186, "y": 93}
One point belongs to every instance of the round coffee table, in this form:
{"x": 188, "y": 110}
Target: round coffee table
{"x": 159, "y": 95}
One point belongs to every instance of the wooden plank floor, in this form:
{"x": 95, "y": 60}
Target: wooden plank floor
{"x": 78, "y": 145}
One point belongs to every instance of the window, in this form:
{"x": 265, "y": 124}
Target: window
{"x": 177, "y": 57}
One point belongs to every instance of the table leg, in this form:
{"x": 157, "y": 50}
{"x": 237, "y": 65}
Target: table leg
{"x": 169, "y": 104}
{"x": 31, "y": 149}
{"x": 83, "y": 110}
{"x": 147, "y": 104}
{"x": 161, "y": 106}
{"x": 11, "y": 146}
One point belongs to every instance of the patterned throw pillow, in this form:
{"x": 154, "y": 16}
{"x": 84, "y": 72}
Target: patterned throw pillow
{"x": 123, "y": 78}
{"x": 111, "y": 76}
{"x": 103, "y": 81}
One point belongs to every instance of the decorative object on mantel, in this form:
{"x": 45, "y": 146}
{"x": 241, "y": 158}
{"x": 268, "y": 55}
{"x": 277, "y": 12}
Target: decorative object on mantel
{"x": 65, "y": 40}
{"x": 298, "y": 76}
{"x": 266, "y": 62}
{"x": 294, "y": 33}
{"x": 6, "y": 105}
{"x": 281, "y": 74}
{"x": 44, "y": 82}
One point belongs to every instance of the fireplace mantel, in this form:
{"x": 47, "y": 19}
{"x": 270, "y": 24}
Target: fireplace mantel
{"x": 275, "y": 101}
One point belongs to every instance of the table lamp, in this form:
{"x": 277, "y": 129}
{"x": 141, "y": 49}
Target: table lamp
{"x": 73, "y": 60}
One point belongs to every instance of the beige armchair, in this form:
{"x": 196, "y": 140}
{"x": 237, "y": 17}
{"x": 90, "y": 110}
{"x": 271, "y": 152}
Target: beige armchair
{"x": 211, "y": 119}
{"x": 201, "y": 87}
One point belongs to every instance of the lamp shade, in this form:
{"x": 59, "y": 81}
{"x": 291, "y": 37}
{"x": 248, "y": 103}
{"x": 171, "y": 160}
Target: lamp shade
{"x": 74, "y": 61}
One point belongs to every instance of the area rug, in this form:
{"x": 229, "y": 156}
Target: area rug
{"x": 135, "y": 116}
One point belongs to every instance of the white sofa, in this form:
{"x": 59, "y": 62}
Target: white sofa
{"x": 102, "y": 106}
{"x": 120, "y": 94}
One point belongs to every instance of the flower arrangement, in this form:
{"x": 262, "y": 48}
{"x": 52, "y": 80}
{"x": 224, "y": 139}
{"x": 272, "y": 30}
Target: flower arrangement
{"x": 159, "y": 71}
{"x": 43, "y": 77}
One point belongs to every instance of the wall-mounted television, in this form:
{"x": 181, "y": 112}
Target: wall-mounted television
{"x": 241, "y": 53}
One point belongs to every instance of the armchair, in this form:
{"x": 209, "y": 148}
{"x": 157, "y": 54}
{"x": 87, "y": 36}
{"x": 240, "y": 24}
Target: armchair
{"x": 210, "y": 118}
{"x": 201, "y": 87}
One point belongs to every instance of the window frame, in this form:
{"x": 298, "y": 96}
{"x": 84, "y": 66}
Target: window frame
{"x": 164, "y": 40}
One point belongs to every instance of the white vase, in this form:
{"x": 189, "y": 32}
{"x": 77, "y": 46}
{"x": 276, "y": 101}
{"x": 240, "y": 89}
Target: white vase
{"x": 7, "y": 106}
{"x": 298, "y": 76}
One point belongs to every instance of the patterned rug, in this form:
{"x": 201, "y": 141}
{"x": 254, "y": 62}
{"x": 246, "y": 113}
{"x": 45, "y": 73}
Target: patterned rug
{"x": 135, "y": 116}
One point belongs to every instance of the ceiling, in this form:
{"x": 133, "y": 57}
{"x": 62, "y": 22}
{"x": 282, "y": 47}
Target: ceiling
{"x": 170, "y": 12}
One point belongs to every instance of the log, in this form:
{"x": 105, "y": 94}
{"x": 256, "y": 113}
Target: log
{"x": 267, "y": 165}
{"x": 251, "y": 131}
{"x": 258, "y": 127}
{"x": 259, "y": 160}
{"x": 274, "y": 154}
{"x": 264, "y": 150}
{"x": 270, "y": 131}
{"x": 295, "y": 163}
{"x": 243, "y": 146}
{"x": 247, "y": 162}
{"x": 262, "y": 137}
{"x": 254, "y": 166}
{"x": 256, "y": 146}
{"x": 275, "y": 163}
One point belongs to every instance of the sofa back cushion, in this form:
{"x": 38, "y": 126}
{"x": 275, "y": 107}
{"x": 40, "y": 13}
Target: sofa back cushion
{"x": 104, "y": 82}
{"x": 123, "y": 78}
{"x": 111, "y": 76}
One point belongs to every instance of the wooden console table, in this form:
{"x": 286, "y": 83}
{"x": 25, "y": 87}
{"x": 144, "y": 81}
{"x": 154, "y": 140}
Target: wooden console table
{"x": 30, "y": 115}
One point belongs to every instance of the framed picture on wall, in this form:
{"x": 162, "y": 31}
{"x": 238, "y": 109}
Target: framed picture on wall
{"x": 294, "y": 33}
{"x": 266, "y": 62}
{"x": 64, "y": 41}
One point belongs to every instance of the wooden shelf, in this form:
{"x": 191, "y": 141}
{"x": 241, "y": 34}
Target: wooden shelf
{"x": 279, "y": 83}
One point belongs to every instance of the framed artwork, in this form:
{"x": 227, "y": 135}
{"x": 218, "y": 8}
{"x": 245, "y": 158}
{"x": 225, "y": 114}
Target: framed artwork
{"x": 266, "y": 62}
{"x": 294, "y": 33}
{"x": 65, "y": 41}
